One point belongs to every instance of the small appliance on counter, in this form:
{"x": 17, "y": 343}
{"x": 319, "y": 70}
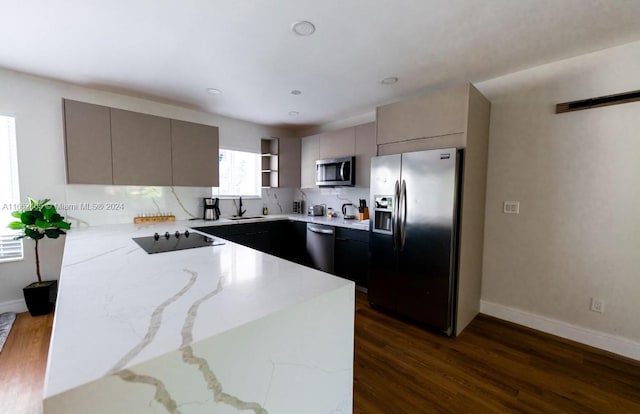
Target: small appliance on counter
{"x": 211, "y": 209}
{"x": 298, "y": 206}
{"x": 331, "y": 213}
{"x": 316, "y": 210}
{"x": 349, "y": 211}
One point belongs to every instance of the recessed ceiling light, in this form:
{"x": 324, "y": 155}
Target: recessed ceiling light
{"x": 214, "y": 91}
{"x": 389, "y": 80}
{"x": 296, "y": 92}
{"x": 294, "y": 113}
{"x": 303, "y": 28}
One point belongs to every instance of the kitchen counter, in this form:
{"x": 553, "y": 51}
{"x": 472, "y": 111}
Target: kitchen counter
{"x": 213, "y": 328}
{"x": 334, "y": 221}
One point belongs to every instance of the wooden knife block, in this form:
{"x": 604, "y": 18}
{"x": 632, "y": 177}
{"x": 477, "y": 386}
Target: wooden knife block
{"x": 364, "y": 215}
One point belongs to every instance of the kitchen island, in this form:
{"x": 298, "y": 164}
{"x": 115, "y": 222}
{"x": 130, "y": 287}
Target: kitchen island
{"x": 212, "y": 329}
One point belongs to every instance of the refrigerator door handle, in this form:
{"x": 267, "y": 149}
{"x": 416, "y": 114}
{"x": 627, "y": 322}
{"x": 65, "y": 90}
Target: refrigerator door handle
{"x": 394, "y": 215}
{"x": 403, "y": 211}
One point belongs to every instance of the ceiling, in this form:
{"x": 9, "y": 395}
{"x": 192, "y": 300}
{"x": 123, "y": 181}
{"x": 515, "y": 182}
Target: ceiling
{"x": 172, "y": 50}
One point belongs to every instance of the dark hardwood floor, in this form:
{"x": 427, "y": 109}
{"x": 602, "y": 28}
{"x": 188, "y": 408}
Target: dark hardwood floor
{"x": 493, "y": 367}
{"x": 23, "y": 361}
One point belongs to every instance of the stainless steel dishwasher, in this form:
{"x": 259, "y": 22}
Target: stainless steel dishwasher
{"x": 320, "y": 245}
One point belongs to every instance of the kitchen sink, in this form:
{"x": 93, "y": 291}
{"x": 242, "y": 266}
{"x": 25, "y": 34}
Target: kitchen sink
{"x": 246, "y": 218}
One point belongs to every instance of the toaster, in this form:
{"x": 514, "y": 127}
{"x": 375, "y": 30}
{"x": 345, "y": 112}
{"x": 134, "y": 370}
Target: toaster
{"x": 316, "y": 210}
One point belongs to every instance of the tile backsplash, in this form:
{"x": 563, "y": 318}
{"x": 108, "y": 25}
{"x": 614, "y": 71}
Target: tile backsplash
{"x": 333, "y": 197}
{"x": 91, "y": 205}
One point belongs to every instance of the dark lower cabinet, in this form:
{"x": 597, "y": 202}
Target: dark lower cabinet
{"x": 288, "y": 240}
{"x": 259, "y": 236}
{"x": 352, "y": 255}
{"x": 293, "y": 240}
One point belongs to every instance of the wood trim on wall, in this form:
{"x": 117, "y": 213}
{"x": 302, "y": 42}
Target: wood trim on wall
{"x": 619, "y": 98}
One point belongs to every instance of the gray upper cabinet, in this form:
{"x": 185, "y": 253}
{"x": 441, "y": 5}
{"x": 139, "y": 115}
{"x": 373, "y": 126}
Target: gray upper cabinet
{"x": 439, "y": 113}
{"x": 309, "y": 153}
{"x": 194, "y": 154}
{"x": 289, "y": 163}
{"x": 87, "y": 143}
{"x": 336, "y": 144}
{"x": 113, "y": 146}
{"x": 358, "y": 141}
{"x": 365, "y": 149}
{"x": 141, "y": 149}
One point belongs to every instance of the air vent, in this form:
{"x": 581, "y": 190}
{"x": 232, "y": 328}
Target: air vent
{"x": 616, "y": 99}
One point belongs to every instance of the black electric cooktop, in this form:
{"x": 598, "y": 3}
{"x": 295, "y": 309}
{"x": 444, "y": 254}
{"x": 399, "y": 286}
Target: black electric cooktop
{"x": 169, "y": 242}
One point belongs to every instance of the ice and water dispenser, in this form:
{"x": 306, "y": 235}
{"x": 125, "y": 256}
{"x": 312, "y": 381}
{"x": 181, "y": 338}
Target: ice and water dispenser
{"x": 383, "y": 210}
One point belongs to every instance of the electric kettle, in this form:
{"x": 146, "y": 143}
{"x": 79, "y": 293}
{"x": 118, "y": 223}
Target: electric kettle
{"x": 349, "y": 211}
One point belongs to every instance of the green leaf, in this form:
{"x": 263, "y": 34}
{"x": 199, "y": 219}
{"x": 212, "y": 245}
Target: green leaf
{"x": 55, "y": 218}
{"x": 62, "y": 225}
{"x": 17, "y": 214}
{"x": 34, "y": 234}
{"x": 52, "y": 233}
{"x": 48, "y": 211}
{"x": 16, "y": 225}
{"x": 28, "y": 217}
{"x": 43, "y": 224}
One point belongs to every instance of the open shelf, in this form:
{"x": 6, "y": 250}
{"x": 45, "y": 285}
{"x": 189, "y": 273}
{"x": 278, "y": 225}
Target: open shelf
{"x": 269, "y": 154}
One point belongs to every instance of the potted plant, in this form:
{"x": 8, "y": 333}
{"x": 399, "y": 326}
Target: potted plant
{"x": 39, "y": 220}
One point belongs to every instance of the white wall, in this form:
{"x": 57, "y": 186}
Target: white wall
{"x": 577, "y": 177}
{"x": 37, "y": 105}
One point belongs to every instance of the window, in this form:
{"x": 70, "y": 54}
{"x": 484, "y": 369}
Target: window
{"x": 10, "y": 249}
{"x": 239, "y": 174}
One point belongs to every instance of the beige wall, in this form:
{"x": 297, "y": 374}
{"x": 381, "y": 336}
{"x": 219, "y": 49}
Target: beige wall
{"x": 577, "y": 177}
{"x": 37, "y": 105}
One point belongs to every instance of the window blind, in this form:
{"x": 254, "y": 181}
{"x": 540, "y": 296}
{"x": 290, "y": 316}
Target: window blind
{"x": 10, "y": 249}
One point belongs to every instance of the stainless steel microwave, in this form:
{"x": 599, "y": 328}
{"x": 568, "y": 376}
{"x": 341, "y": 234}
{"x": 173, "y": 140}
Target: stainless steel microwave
{"x": 336, "y": 172}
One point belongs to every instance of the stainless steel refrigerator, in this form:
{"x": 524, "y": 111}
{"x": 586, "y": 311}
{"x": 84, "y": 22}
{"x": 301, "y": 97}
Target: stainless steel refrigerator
{"x": 413, "y": 235}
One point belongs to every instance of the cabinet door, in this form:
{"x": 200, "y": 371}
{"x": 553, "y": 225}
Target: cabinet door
{"x": 309, "y": 153}
{"x": 336, "y": 144}
{"x": 366, "y": 148}
{"x": 194, "y": 149}
{"x": 88, "y": 143}
{"x": 290, "y": 165}
{"x": 298, "y": 243}
{"x": 352, "y": 255}
{"x": 439, "y": 113}
{"x": 141, "y": 148}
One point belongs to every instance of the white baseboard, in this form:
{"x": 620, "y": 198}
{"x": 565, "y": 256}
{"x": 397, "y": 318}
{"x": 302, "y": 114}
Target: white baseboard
{"x": 616, "y": 344}
{"x": 17, "y": 306}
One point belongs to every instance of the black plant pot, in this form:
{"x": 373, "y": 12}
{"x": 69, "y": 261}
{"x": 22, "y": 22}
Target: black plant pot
{"x": 41, "y": 297}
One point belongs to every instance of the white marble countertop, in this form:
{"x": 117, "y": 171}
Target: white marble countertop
{"x": 334, "y": 221}
{"x": 118, "y": 306}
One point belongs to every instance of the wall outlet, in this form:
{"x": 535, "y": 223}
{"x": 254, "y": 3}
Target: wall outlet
{"x": 511, "y": 207}
{"x": 597, "y": 305}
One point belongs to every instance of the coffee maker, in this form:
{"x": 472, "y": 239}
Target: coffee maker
{"x": 211, "y": 209}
